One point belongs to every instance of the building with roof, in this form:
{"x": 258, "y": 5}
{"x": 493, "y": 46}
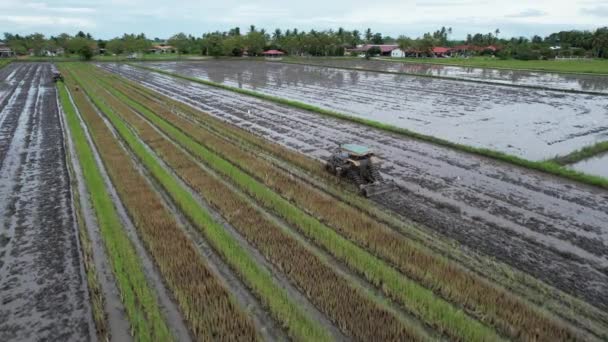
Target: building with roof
{"x": 6, "y": 51}
{"x": 161, "y": 49}
{"x": 273, "y": 54}
{"x": 385, "y": 49}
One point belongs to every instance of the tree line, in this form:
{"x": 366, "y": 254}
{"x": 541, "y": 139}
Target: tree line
{"x": 314, "y": 43}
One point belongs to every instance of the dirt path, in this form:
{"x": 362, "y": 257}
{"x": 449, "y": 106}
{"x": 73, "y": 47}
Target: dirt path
{"x": 551, "y": 228}
{"x": 42, "y": 286}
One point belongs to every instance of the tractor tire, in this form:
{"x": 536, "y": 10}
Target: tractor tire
{"x": 375, "y": 173}
{"x": 355, "y": 177}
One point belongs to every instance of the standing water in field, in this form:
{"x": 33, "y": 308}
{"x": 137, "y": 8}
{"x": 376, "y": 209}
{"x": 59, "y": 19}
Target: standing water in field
{"x": 534, "y": 124}
{"x": 597, "y": 165}
{"x": 552, "y": 80}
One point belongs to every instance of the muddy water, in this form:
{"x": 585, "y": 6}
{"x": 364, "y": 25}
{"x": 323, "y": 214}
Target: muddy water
{"x": 578, "y": 82}
{"x": 42, "y": 287}
{"x": 533, "y": 124}
{"x": 551, "y": 228}
{"x": 595, "y": 166}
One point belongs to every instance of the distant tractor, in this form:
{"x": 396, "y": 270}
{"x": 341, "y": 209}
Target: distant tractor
{"x": 360, "y": 165}
{"x": 57, "y": 76}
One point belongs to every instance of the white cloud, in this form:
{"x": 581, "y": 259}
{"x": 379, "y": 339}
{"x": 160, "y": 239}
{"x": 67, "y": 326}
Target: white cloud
{"x": 41, "y": 6}
{"x": 599, "y": 11}
{"x": 529, "y": 13}
{"x": 35, "y": 21}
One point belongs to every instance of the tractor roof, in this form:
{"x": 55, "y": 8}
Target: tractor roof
{"x": 355, "y": 149}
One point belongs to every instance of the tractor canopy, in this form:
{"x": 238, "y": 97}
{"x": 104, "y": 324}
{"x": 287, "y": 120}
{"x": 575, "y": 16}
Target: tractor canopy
{"x": 357, "y": 150}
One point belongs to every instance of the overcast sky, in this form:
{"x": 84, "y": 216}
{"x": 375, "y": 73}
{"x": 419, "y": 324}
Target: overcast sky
{"x": 162, "y": 18}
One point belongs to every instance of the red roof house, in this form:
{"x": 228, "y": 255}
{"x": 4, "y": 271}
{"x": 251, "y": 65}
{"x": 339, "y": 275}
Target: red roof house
{"x": 273, "y": 53}
{"x": 438, "y": 50}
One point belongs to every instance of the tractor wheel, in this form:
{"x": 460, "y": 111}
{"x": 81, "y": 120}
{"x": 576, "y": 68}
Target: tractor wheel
{"x": 375, "y": 173}
{"x": 355, "y": 177}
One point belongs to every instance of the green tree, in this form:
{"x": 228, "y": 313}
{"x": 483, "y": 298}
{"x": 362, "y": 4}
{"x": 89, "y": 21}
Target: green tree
{"x": 181, "y": 43}
{"x": 115, "y": 46}
{"x": 377, "y": 38}
{"x": 213, "y": 44}
{"x": 83, "y": 47}
{"x": 255, "y": 42}
{"x": 404, "y": 43}
{"x": 368, "y": 35}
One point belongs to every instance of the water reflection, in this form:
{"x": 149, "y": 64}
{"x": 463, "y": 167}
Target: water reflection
{"x": 596, "y": 83}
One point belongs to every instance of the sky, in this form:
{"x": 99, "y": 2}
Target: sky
{"x": 161, "y": 18}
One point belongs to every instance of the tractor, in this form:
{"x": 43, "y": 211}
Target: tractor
{"x": 359, "y": 165}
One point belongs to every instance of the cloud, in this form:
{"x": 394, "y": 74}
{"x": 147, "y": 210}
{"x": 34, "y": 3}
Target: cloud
{"x": 529, "y": 13}
{"x": 35, "y": 21}
{"x": 599, "y": 11}
{"x": 41, "y": 6}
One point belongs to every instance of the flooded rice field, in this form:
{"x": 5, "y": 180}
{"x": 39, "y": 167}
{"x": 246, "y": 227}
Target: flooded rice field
{"x": 597, "y": 165}
{"x": 548, "y": 227}
{"x": 42, "y": 286}
{"x": 533, "y": 124}
{"x": 559, "y": 81}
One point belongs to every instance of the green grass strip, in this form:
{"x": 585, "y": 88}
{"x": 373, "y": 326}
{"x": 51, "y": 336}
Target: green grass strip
{"x": 416, "y": 298}
{"x": 583, "y": 153}
{"x": 299, "y": 325}
{"x": 4, "y": 62}
{"x": 544, "y": 166}
{"x": 139, "y": 300}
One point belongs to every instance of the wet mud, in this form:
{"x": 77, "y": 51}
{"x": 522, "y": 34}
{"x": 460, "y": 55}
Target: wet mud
{"x": 42, "y": 286}
{"x": 558, "y": 81}
{"x": 551, "y": 228}
{"x": 533, "y": 124}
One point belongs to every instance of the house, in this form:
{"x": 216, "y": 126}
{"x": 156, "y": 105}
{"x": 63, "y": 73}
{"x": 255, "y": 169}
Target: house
{"x": 398, "y": 53}
{"x": 273, "y": 54}
{"x": 467, "y": 50}
{"x": 6, "y": 51}
{"x": 385, "y": 49}
{"x": 160, "y": 49}
{"x": 440, "y": 51}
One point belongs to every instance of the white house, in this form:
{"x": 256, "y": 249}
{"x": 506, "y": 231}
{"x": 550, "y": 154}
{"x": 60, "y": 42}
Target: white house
{"x": 398, "y": 53}
{"x": 5, "y": 51}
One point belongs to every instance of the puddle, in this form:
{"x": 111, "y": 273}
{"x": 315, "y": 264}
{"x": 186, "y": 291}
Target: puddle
{"x": 597, "y": 166}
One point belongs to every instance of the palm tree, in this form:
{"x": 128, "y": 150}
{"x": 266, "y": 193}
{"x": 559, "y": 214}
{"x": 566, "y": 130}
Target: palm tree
{"x": 368, "y": 35}
{"x": 277, "y": 34}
